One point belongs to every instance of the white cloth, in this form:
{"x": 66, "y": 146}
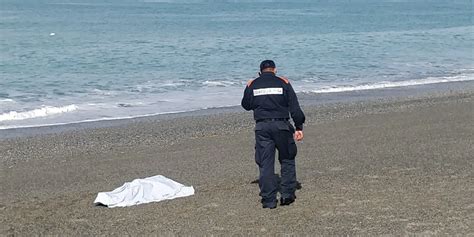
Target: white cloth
{"x": 152, "y": 189}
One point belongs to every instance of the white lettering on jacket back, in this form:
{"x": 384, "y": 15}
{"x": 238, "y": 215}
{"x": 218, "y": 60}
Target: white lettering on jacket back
{"x": 268, "y": 91}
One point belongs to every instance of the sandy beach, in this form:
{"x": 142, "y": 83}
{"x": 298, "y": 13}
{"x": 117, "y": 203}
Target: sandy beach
{"x": 396, "y": 167}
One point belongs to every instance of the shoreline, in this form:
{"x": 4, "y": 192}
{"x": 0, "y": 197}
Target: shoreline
{"x": 306, "y": 99}
{"x": 385, "y": 166}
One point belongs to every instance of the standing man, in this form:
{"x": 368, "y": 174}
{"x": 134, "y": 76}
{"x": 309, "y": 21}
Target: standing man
{"x": 273, "y": 100}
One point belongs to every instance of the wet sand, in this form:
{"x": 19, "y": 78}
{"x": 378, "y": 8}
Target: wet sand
{"x": 396, "y": 167}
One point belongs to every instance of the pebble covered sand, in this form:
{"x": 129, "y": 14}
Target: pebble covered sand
{"x": 400, "y": 166}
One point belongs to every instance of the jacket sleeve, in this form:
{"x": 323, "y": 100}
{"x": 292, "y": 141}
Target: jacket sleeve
{"x": 247, "y": 99}
{"x": 295, "y": 110}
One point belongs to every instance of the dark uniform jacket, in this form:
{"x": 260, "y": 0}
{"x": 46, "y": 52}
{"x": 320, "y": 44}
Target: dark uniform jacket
{"x": 272, "y": 97}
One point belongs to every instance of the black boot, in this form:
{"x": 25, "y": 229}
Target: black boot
{"x": 270, "y": 204}
{"x": 287, "y": 201}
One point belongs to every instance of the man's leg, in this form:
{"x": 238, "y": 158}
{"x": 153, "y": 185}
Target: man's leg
{"x": 287, "y": 153}
{"x": 265, "y": 159}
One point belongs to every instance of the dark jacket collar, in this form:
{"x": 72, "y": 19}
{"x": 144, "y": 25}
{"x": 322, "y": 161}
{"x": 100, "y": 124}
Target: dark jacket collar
{"x": 267, "y": 74}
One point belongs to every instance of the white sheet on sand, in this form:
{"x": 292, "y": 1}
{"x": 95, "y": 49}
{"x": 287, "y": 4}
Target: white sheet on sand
{"x": 152, "y": 189}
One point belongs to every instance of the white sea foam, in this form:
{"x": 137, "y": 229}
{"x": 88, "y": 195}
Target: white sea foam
{"x": 36, "y": 113}
{"x": 218, "y": 83}
{"x": 95, "y": 120}
{"x": 96, "y": 91}
{"x": 172, "y": 84}
{"x": 10, "y": 118}
{"x": 388, "y": 84}
{"x": 6, "y": 101}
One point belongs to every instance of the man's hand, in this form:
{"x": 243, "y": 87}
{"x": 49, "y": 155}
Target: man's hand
{"x": 299, "y": 135}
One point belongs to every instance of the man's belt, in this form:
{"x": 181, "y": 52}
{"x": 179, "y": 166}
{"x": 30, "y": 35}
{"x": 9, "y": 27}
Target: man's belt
{"x": 271, "y": 119}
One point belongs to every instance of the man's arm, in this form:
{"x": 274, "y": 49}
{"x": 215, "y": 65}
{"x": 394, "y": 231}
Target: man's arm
{"x": 295, "y": 110}
{"x": 248, "y": 97}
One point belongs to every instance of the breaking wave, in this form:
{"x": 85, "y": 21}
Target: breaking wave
{"x": 6, "y": 101}
{"x": 218, "y": 83}
{"x": 391, "y": 84}
{"x": 36, "y": 113}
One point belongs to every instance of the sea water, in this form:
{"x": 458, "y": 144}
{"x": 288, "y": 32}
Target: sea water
{"x": 67, "y": 61}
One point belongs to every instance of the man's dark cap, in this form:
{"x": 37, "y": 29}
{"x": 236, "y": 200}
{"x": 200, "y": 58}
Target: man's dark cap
{"x": 267, "y": 64}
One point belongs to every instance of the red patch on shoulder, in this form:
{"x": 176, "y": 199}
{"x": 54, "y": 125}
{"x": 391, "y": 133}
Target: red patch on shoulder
{"x": 284, "y": 79}
{"x": 249, "y": 83}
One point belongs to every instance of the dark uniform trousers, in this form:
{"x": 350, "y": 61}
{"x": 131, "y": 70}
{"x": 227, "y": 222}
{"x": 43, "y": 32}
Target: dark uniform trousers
{"x": 270, "y": 135}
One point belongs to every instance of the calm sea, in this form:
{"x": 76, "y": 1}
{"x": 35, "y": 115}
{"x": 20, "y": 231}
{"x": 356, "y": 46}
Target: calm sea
{"x": 64, "y": 61}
